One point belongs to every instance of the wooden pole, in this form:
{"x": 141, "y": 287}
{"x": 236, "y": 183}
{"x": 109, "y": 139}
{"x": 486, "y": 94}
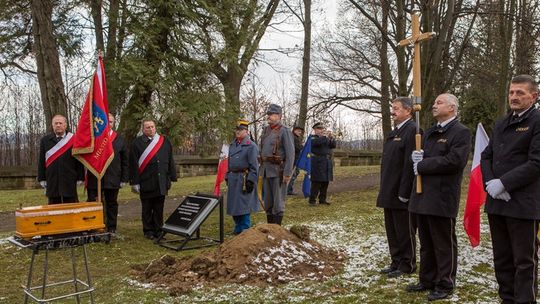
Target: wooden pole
{"x": 98, "y": 190}
{"x": 415, "y": 40}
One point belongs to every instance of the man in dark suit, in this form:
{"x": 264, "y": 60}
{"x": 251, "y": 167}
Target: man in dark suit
{"x": 152, "y": 170}
{"x": 322, "y": 171}
{"x": 446, "y": 148}
{"x": 511, "y": 171}
{"x": 396, "y": 185}
{"x": 59, "y": 172}
{"x": 115, "y": 177}
{"x": 298, "y": 133}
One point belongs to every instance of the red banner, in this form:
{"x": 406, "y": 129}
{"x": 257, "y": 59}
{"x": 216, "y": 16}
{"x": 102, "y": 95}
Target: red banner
{"x": 92, "y": 144}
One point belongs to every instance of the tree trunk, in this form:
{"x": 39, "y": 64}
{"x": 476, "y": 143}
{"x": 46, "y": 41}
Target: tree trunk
{"x": 385, "y": 71}
{"x": 505, "y": 25}
{"x": 403, "y": 74}
{"x": 306, "y": 60}
{"x": 49, "y": 74}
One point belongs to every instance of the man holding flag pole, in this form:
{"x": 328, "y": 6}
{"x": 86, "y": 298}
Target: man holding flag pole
{"x": 511, "y": 173}
{"x": 92, "y": 144}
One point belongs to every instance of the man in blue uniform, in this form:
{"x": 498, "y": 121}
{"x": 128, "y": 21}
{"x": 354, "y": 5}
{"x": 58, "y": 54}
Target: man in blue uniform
{"x": 322, "y": 171}
{"x": 241, "y": 178}
{"x": 511, "y": 171}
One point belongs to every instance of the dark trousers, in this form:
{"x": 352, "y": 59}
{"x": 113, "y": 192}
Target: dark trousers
{"x": 318, "y": 189}
{"x": 401, "y": 234}
{"x": 152, "y": 215}
{"x": 110, "y": 205}
{"x": 515, "y": 255}
{"x": 294, "y": 176}
{"x": 63, "y": 199}
{"x": 438, "y": 251}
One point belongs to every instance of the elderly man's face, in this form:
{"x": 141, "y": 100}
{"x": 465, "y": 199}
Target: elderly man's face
{"x": 442, "y": 109}
{"x": 273, "y": 118}
{"x": 399, "y": 113}
{"x": 240, "y": 133}
{"x": 111, "y": 120}
{"x": 59, "y": 125}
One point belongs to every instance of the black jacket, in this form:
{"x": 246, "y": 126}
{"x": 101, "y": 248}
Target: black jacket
{"x": 513, "y": 155}
{"x": 117, "y": 172}
{"x": 62, "y": 175}
{"x": 156, "y": 178}
{"x": 397, "y": 174}
{"x": 446, "y": 151}
{"x": 297, "y": 147}
{"x": 321, "y": 162}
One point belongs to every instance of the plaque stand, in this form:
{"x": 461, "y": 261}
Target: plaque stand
{"x": 191, "y": 231}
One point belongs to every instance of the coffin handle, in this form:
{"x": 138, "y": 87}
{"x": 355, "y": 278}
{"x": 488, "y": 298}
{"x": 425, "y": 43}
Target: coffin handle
{"x": 42, "y": 223}
{"x": 86, "y": 218}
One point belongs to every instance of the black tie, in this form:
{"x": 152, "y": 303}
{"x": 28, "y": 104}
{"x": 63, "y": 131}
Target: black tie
{"x": 515, "y": 117}
{"x": 57, "y": 139}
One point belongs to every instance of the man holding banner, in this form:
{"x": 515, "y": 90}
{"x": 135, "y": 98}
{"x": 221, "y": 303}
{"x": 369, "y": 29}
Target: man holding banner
{"x": 58, "y": 171}
{"x": 115, "y": 177}
{"x": 322, "y": 171}
{"x": 152, "y": 170}
{"x": 511, "y": 172}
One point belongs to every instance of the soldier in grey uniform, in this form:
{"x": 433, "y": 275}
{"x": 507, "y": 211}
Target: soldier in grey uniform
{"x": 277, "y": 160}
{"x": 241, "y": 178}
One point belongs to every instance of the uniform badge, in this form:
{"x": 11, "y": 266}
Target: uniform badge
{"x": 442, "y": 140}
{"x": 397, "y": 138}
{"x": 522, "y": 129}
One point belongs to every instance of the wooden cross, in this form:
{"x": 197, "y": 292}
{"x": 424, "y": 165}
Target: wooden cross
{"x": 415, "y": 40}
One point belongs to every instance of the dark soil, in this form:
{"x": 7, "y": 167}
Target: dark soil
{"x": 266, "y": 254}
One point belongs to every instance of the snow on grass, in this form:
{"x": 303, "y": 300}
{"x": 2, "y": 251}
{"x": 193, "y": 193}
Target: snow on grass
{"x": 367, "y": 252}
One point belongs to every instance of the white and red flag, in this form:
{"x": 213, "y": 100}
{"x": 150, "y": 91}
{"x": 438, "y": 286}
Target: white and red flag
{"x": 92, "y": 144}
{"x": 223, "y": 167}
{"x": 476, "y": 196}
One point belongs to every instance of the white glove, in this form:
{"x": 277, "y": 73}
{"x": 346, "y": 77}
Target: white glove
{"x": 43, "y": 184}
{"x": 417, "y": 156}
{"x": 495, "y": 187}
{"x": 505, "y": 196}
{"x": 122, "y": 185}
{"x": 79, "y": 183}
{"x": 415, "y": 168}
{"x": 136, "y": 188}
{"x": 402, "y": 199}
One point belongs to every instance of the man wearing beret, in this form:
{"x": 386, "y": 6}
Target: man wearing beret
{"x": 241, "y": 178}
{"x": 277, "y": 161}
{"x": 322, "y": 143}
{"x": 298, "y": 133}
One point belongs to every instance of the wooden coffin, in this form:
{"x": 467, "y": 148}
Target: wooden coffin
{"x": 58, "y": 219}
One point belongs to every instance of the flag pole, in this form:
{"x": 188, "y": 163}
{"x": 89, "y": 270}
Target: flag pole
{"x": 99, "y": 189}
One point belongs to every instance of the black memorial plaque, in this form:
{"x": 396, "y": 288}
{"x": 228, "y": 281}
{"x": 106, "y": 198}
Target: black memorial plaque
{"x": 187, "y": 212}
{"x": 189, "y": 215}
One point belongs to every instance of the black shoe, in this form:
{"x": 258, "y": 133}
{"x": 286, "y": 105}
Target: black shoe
{"x": 149, "y": 236}
{"x": 324, "y": 203}
{"x": 291, "y": 193}
{"x": 416, "y": 287}
{"x": 270, "y": 219}
{"x": 387, "y": 270}
{"x": 395, "y": 274}
{"x": 278, "y": 219}
{"x": 438, "y": 295}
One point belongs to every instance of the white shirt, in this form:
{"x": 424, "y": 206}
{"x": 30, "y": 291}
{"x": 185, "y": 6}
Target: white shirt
{"x": 444, "y": 123}
{"x": 402, "y": 123}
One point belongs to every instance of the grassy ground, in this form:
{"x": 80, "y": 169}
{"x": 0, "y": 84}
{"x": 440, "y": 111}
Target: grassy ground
{"x": 351, "y": 223}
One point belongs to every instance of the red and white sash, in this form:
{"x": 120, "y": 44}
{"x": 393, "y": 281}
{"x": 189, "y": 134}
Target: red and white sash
{"x": 150, "y": 151}
{"x": 58, "y": 149}
{"x": 112, "y": 135}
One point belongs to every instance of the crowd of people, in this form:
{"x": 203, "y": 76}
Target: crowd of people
{"x": 510, "y": 167}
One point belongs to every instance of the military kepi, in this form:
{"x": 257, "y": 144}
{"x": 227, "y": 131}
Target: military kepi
{"x": 274, "y": 109}
{"x": 242, "y": 124}
{"x": 318, "y": 125}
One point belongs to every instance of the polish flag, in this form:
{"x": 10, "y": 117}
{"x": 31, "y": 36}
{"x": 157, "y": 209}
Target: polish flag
{"x": 476, "y": 196}
{"x": 223, "y": 167}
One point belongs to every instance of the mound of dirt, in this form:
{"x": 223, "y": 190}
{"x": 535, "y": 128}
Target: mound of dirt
{"x": 265, "y": 254}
